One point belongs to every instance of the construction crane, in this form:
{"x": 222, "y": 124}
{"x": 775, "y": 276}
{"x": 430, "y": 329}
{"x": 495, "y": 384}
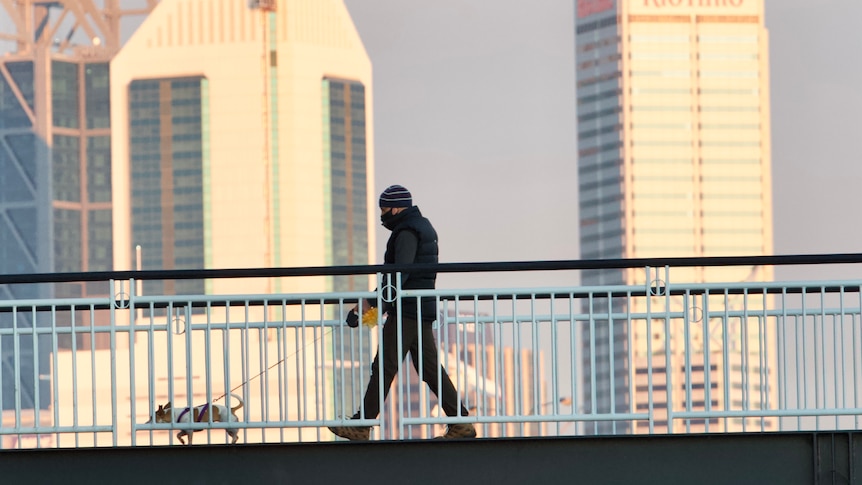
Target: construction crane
{"x": 69, "y": 26}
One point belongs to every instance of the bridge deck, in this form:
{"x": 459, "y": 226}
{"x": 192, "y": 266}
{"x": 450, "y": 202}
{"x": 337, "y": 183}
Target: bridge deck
{"x": 785, "y": 458}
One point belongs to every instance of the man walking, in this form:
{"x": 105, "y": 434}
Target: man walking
{"x": 413, "y": 240}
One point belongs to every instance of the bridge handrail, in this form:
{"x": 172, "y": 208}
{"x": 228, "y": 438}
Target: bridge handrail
{"x": 503, "y": 266}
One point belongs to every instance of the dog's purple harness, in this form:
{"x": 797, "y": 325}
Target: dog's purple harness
{"x": 200, "y": 415}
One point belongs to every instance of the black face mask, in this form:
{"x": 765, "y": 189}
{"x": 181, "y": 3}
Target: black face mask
{"x": 386, "y": 217}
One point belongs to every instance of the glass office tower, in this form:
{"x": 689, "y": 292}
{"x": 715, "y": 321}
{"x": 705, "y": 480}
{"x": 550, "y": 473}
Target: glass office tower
{"x": 55, "y": 170}
{"x": 673, "y": 160}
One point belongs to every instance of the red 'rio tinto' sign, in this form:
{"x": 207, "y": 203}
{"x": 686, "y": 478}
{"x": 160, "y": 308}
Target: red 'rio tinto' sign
{"x": 590, "y": 7}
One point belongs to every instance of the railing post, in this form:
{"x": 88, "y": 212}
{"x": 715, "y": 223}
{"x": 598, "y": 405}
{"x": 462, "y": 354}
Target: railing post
{"x": 113, "y": 303}
{"x": 396, "y": 298}
{"x": 664, "y": 291}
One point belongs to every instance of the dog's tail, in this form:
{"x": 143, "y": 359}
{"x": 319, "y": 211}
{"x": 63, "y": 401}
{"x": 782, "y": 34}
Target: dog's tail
{"x": 233, "y": 409}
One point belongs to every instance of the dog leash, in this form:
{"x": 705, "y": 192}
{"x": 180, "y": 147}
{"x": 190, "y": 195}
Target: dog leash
{"x": 273, "y": 365}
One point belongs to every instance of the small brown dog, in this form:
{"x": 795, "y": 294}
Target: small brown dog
{"x": 199, "y": 414}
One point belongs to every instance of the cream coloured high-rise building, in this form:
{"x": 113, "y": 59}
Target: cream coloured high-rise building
{"x": 242, "y": 138}
{"x": 675, "y": 161}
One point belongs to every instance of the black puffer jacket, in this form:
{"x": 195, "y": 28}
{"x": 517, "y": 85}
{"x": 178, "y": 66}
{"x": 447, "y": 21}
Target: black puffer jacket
{"x": 411, "y": 220}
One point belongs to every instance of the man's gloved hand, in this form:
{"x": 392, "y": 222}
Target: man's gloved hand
{"x": 352, "y": 319}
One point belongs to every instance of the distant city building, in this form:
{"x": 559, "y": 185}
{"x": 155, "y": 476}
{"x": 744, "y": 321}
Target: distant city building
{"x": 493, "y": 379}
{"x": 220, "y": 135}
{"x": 55, "y": 154}
{"x": 242, "y": 139}
{"x": 674, "y": 159}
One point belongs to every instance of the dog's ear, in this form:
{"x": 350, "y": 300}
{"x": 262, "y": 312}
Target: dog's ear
{"x": 160, "y": 409}
{"x": 168, "y": 405}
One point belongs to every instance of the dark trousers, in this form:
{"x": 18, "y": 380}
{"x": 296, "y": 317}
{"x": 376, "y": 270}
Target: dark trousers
{"x": 430, "y": 367}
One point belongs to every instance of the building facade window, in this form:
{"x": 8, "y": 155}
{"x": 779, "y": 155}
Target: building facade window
{"x": 12, "y": 114}
{"x": 98, "y": 100}
{"x": 345, "y": 147}
{"x": 64, "y": 94}
{"x": 167, "y": 177}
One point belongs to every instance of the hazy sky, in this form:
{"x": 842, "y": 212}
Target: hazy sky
{"x": 475, "y": 114}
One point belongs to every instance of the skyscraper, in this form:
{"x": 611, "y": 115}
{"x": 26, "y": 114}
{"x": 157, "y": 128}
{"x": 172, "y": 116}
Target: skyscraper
{"x": 673, "y": 160}
{"x": 243, "y": 139}
{"x": 55, "y": 182}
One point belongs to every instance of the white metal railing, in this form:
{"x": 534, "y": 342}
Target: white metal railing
{"x": 544, "y": 361}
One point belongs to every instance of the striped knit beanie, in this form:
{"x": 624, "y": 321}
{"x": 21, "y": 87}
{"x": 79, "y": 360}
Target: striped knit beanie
{"x": 396, "y": 196}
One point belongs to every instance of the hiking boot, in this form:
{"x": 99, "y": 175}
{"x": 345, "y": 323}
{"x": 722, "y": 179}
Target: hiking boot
{"x": 455, "y": 431}
{"x": 352, "y": 433}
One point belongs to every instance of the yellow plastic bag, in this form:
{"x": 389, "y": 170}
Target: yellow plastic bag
{"x": 369, "y": 318}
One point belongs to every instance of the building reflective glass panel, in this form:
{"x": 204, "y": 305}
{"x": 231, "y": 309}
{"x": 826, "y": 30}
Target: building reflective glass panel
{"x": 66, "y": 158}
{"x": 346, "y": 131}
{"x": 599, "y": 112}
{"x": 67, "y": 241}
{"x": 64, "y": 94}
{"x": 100, "y": 255}
{"x": 22, "y": 75}
{"x": 97, "y": 92}
{"x": 12, "y": 114}
{"x": 13, "y": 187}
{"x": 166, "y": 153}
{"x": 99, "y": 168}
{"x": 23, "y": 148}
